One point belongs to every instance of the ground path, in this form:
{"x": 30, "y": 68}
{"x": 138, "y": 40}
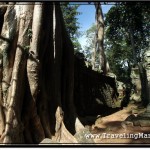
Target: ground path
{"x": 113, "y": 124}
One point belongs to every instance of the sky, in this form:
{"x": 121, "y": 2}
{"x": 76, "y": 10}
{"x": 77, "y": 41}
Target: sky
{"x": 87, "y": 18}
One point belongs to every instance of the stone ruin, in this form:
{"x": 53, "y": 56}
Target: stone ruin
{"x": 142, "y": 119}
{"x": 136, "y": 82}
{"x": 95, "y": 93}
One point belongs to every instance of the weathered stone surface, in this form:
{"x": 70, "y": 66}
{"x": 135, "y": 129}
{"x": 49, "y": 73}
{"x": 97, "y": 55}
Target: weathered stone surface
{"x": 136, "y": 122}
{"x": 82, "y": 136}
{"x": 148, "y": 109}
{"x": 64, "y": 136}
{"x": 145, "y": 123}
{"x": 130, "y": 118}
{"x": 146, "y": 65}
{"x": 141, "y": 120}
{"x": 145, "y": 114}
{"x": 147, "y": 68}
{"x": 138, "y": 111}
{"x": 136, "y": 81}
{"x": 92, "y": 90}
{"x": 126, "y": 124}
{"x": 130, "y": 121}
{"x": 48, "y": 141}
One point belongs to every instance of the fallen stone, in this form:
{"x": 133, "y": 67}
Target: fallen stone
{"x": 145, "y": 123}
{"x": 145, "y": 115}
{"x": 135, "y": 111}
{"x": 130, "y": 118}
{"x": 136, "y": 122}
{"x": 126, "y": 124}
{"x": 148, "y": 109}
{"x": 82, "y": 136}
{"x": 142, "y": 120}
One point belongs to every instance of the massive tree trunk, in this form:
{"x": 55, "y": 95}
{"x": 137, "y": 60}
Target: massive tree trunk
{"x": 2, "y": 12}
{"x": 133, "y": 46}
{"x": 104, "y": 66}
{"x": 94, "y": 51}
{"x": 36, "y": 75}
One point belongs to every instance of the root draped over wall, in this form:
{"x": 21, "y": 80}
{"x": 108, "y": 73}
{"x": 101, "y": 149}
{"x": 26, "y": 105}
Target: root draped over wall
{"x": 38, "y": 95}
{"x": 94, "y": 93}
{"x": 36, "y": 75}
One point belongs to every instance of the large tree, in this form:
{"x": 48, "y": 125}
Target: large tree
{"x": 94, "y": 48}
{"x": 89, "y": 48}
{"x": 127, "y": 34}
{"x": 36, "y": 75}
{"x": 99, "y": 37}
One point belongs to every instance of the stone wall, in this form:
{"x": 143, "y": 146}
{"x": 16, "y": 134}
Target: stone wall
{"x": 94, "y": 93}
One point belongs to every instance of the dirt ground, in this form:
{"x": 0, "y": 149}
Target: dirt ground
{"x": 110, "y": 129}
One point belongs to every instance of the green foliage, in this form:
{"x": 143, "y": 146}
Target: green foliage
{"x": 120, "y": 21}
{"x": 26, "y": 49}
{"x": 29, "y": 33}
{"x": 70, "y": 13}
{"x": 89, "y": 34}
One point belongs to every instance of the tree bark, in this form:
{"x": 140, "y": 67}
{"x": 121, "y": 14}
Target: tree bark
{"x": 133, "y": 46}
{"x": 100, "y": 39}
{"x": 15, "y": 100}
{"x": 94, "y": 52}
{"x": 36, "y": 75}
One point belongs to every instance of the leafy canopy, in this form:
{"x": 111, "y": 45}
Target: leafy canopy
{"x": 70, "y": 13}
{"x": 123, "y": 21}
